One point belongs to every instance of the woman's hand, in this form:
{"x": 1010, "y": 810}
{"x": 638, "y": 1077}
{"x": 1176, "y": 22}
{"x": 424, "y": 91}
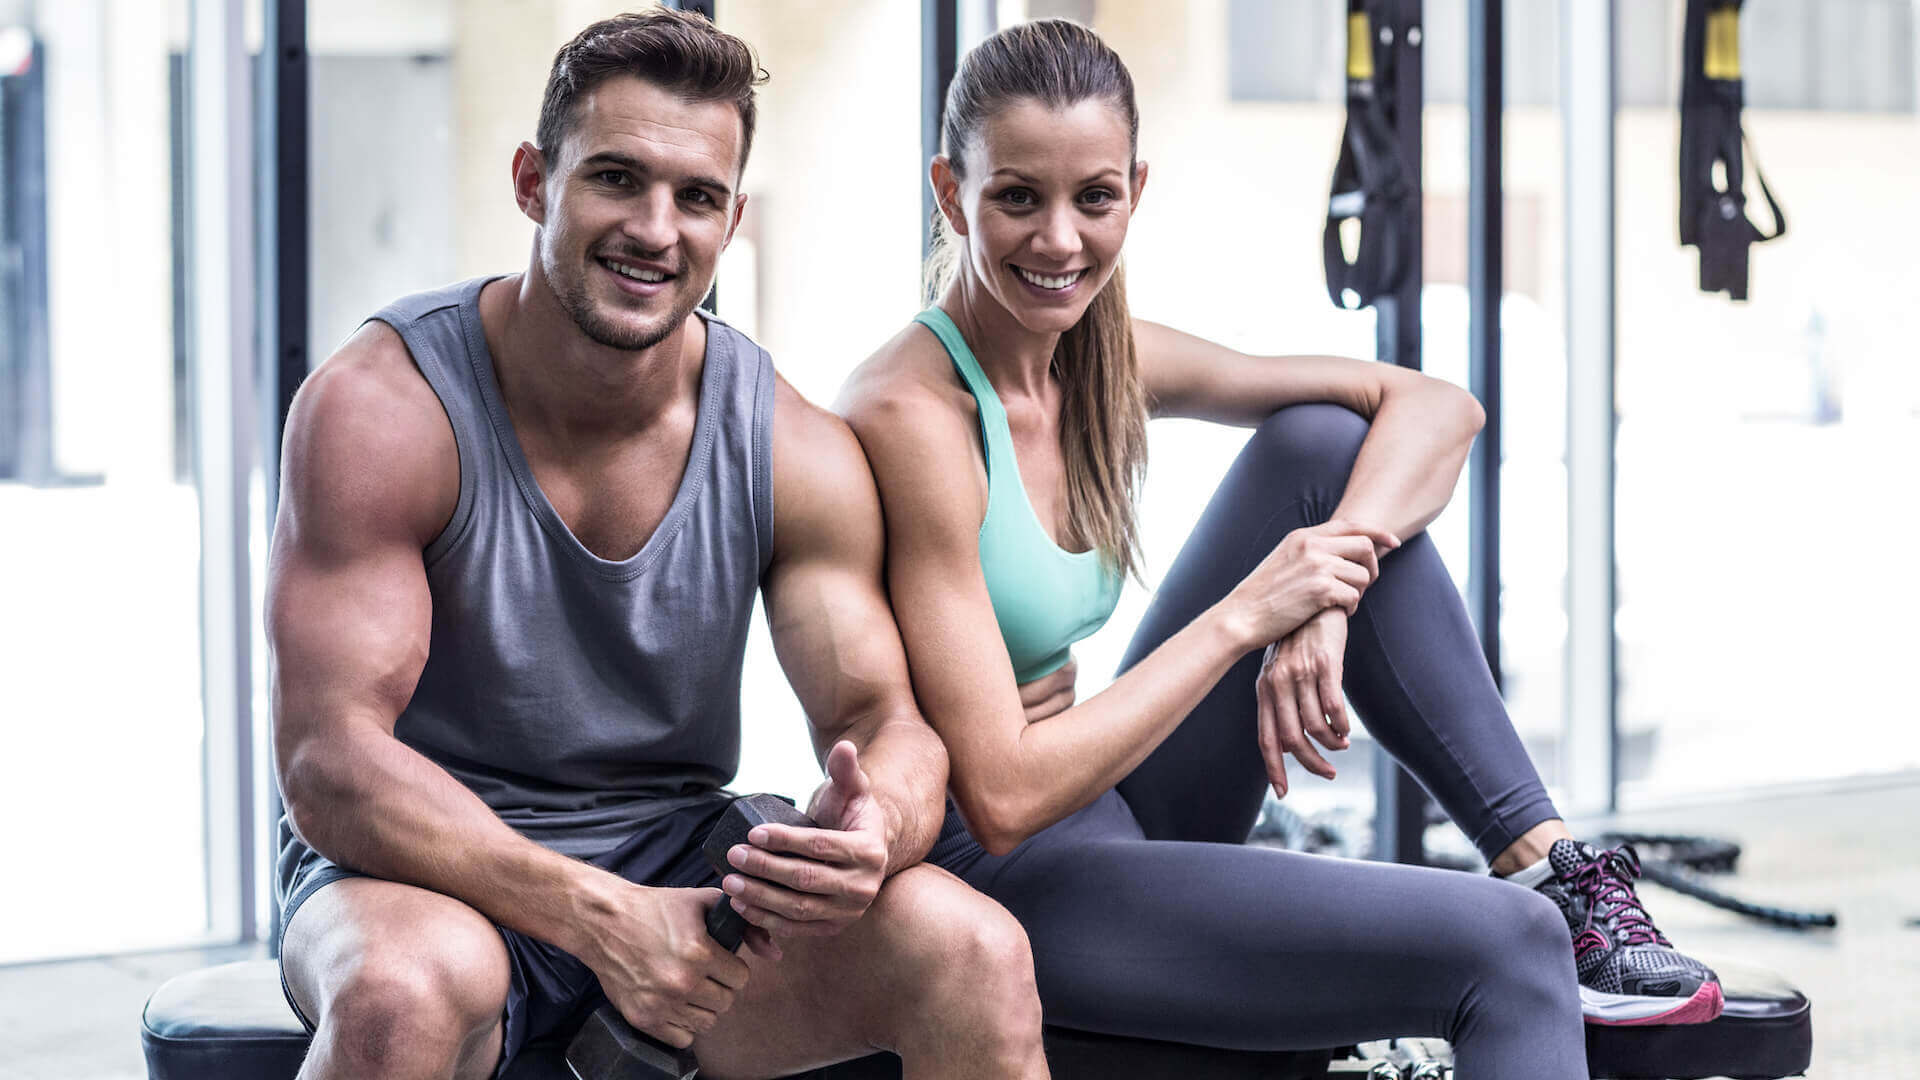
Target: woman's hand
{"x": 1298, "y": 695}
{"x": 1050, "y": 694}
{"x": 1311, "y": 570}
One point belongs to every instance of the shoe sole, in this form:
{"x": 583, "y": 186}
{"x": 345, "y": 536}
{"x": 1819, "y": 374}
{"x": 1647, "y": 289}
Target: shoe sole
{"x": 1629, "y": 1010}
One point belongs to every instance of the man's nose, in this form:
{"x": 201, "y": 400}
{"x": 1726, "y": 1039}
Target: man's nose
{"x": 650, "y": 224}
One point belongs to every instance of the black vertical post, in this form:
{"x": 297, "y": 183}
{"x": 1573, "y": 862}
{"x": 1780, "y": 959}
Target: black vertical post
{"x": 1399, "y": 803}
{"x": 702, "y": 7}
{"x": 284, "y": 259}
{"x": 1486, "y": 60}
{"x": 939, "y": 53}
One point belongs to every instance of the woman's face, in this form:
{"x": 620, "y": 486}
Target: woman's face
{"x": 1044, "y": 207}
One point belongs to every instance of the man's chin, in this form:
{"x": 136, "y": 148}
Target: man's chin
{"x": 623, "y": 330}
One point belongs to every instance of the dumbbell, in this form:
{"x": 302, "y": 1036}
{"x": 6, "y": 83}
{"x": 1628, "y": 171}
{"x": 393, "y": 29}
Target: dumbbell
{"x": 608, "y": 1048}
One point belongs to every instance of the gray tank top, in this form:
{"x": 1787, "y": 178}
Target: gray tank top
{"x": 579, "y": 697}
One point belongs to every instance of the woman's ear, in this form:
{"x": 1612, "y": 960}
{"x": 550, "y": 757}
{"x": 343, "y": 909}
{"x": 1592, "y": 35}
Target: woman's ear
{"x": 946, "y": 192}
{"x": 1139, "y": 183}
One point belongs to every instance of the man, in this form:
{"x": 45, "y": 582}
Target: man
{"x": 522, "y": 525}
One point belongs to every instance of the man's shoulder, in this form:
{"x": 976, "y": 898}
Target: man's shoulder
{"x": 367, "y": 431}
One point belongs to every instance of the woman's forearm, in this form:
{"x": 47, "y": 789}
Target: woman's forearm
{"x": 1065, "y": 761}
{"x": 1412, "y": 457}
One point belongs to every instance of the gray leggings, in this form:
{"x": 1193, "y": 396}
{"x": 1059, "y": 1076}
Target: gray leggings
{"x": 1148, "y": 915}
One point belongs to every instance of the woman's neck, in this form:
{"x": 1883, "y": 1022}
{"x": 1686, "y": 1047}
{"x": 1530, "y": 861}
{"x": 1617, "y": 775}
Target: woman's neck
{"x": 1018, "y": 361}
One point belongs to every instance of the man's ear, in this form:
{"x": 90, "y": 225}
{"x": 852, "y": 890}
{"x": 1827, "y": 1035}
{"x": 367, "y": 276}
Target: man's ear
{"x": 946, "y": 192}
{"x": 1139, "y": 184}
{"x": 530, "y": 182}
{"x": 739, "y": 206}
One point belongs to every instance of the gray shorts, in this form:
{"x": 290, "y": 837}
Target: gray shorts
{"x": 550, "y": 992}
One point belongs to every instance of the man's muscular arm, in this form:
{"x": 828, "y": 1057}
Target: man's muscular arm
{"x": 371, "y": 475}
{"x": 837, "y": 641}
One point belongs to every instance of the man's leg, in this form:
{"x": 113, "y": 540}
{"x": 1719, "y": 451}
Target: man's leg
{"x": 934, "y": 972}
{"x": 399, "y": 982}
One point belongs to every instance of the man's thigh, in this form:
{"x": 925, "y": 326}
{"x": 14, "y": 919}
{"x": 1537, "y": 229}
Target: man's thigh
{"x": 835, "y": 998}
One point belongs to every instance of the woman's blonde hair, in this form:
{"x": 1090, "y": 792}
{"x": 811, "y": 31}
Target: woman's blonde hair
{"x": 1103, "y": 414}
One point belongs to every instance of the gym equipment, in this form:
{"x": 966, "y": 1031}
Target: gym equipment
{"x": 607, "y": 1047}
{"x": 1371, "y": 183}
{"x": 1677, "y": 862}
{"x": 1712, "y": 218}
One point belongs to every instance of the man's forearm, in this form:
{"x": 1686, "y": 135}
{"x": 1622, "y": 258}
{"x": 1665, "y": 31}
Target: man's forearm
{"x": 906, "y": 764}
{"x": 369, "y": 802}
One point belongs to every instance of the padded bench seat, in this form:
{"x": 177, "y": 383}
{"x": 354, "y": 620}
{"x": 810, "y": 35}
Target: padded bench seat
{"x": 233, "y": 1023}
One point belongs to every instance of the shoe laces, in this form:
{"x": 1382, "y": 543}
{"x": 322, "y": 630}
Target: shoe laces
{"x": 1607, "y": 881}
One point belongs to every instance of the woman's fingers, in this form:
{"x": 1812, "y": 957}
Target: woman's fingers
{"x": 1266, "y": 724}
{"x": 1336, "y": 702}
{"x": 1306, "y": 716}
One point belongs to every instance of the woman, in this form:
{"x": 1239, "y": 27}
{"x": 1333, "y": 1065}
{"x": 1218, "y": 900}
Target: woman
{"x": 1006, "y": 428}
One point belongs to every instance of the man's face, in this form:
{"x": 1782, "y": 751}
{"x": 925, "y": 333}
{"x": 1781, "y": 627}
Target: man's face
{"x": 634, "y": 207}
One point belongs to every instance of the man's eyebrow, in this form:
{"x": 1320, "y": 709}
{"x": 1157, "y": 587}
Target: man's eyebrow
{"x": 635, "y": 165}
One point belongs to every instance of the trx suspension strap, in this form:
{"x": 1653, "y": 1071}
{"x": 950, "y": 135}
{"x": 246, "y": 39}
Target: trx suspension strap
{"x": 1713, "y": 218}
{"x": 1370, "y": 182}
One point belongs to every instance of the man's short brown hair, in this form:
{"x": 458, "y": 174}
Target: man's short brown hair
{"x": 675, "y": 50}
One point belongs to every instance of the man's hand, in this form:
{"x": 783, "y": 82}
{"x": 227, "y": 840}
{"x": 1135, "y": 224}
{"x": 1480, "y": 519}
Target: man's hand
{"x": 815, "y": 882}
{"x": 1298, "y": 695}
{"x": 660, "y": 967}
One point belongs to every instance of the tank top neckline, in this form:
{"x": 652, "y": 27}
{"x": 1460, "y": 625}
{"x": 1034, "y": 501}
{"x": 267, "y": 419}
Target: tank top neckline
{"x": 993, "y": 429}
{"x": 692, "y": 478}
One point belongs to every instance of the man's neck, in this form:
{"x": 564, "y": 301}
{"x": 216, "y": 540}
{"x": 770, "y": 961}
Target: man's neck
{"x": 574, "y": 389}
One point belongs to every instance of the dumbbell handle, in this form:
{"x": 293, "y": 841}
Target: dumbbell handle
{"x": 609, "y": 1048}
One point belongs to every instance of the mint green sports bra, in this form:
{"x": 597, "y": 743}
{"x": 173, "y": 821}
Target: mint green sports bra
{"x": 1045, "y": 598}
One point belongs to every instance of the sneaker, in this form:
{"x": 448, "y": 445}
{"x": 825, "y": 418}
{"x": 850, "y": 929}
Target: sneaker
{"x": 1630, "y": 974}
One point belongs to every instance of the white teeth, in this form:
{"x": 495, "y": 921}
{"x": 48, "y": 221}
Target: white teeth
{"x": 634, "y": 272}
{"x": 1059, "y": 282}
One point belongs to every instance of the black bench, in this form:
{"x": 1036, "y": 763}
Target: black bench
{"x": 232, "y": 1023}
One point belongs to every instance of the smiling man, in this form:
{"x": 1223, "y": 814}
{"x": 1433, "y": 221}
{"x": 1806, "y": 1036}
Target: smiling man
{"x": 523, "y": 524}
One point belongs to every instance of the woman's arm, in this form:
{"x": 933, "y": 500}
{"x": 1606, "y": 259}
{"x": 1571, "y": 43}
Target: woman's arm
{"x": 1011, "y": 778}
{"x": 1421, "y": 427}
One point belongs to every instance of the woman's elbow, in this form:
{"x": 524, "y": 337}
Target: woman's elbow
{"x": 991, "y": 818}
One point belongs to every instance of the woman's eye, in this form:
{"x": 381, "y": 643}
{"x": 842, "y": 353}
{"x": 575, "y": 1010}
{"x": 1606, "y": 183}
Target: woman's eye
{"x": 1097, "y": 197}
{"x": 1017, "y": 197}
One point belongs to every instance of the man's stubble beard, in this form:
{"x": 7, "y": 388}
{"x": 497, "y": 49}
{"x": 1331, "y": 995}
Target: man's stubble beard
{"x": 579, "y": 306}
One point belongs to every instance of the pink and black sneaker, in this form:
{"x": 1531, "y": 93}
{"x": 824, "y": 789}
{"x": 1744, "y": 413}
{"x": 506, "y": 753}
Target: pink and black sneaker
{"x": 1630, "y": 974}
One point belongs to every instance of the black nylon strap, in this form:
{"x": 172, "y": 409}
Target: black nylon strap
{"x": 1369, "y": 179}
{"x": 1713, "y": 218}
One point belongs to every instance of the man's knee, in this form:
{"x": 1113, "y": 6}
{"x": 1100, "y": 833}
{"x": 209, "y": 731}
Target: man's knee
{"x": 404, "y": 990}
{"x": 963, "y": 956}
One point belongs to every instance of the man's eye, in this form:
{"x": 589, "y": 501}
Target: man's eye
{"x": 612, "y": 176}
{"x": 698, "y": 195}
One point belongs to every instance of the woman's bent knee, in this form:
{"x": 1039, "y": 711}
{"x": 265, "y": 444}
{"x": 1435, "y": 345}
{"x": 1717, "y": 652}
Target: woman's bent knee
{"x": 1317, "y": 436}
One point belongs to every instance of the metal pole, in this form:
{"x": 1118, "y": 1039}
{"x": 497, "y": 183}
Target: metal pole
{"x": 939, "y": 53}
{"x": 1486, "y": 63}
{"x": 285, "y": 266}
{"x": 222, "y": 342}
{"x": 1591, "y": 770}
{"x": 1399, "y": 802}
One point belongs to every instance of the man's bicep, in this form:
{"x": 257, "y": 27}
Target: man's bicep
{"x": 348, "y": 610}
{"x": 826, "y": 600}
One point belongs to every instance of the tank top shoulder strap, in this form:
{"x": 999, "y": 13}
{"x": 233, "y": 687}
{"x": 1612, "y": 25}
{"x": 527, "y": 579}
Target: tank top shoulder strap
{"x": 994, "y": 434}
